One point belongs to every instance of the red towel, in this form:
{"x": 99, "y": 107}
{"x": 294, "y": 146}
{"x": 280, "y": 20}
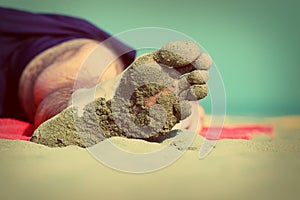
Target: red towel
{"x": 13, "y": 129}
{"x": 18, "y": 130}
{"x": 245, "y": 132}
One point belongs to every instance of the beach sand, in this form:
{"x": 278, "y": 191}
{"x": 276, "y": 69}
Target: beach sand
{"x": 263, "y": 168}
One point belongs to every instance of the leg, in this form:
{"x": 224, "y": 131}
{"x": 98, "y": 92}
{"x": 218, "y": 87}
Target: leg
{"x": 47, "y": 82}
{"x": 132, "y": 113}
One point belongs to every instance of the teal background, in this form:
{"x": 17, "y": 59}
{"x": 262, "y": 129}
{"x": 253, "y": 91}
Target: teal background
{"x": 255, "y": 44}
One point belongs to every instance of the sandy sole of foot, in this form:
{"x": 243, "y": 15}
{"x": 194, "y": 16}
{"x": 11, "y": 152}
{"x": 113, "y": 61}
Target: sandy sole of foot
{"x": 263, "y": 168}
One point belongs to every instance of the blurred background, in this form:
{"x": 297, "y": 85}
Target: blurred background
{"x": 255, "y": 44}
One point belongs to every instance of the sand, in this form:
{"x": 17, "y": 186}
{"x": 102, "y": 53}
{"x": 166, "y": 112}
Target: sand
{"x": 263, "y": 168}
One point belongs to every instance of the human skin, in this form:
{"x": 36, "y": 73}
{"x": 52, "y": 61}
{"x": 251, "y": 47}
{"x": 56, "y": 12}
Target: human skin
{"x": 47, "y": 83}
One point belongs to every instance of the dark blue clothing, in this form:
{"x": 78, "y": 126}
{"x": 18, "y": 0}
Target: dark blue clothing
{"x": 23, "y": 35}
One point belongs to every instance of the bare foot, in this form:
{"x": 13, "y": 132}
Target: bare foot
{"x": 146, "y": 101}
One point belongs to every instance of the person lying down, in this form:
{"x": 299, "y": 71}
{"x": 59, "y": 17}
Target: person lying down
{"x": 50, "y": 69}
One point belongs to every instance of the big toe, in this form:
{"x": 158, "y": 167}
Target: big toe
{"x": 177, "y": 53}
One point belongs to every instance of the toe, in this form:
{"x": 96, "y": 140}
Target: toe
{"x": 203, "y": 62}
{"x": 195, "y": 92}
{"x": 198, "y": 77}
{"x": 185, "y": 69}
{"x": 177, "y": 53}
